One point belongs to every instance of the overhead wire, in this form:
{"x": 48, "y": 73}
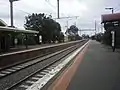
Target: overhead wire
{"x": 5, "y": 4}
{"x": 53, "y": 7}
{"x": 117, "y": 7}
{"x": 48, "y": 1}
{"x": 50, "y": 4}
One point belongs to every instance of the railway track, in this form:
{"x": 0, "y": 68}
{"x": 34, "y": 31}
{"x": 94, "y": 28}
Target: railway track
{"x": 16, "y": 68}
{"x": 35, "y": 69}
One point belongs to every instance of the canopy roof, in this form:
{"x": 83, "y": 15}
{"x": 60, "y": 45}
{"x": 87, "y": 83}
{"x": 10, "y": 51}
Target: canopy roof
{"x": 9, "y": 29}
{"x": 2, "y": 23}
{"x": 110, "y": 17}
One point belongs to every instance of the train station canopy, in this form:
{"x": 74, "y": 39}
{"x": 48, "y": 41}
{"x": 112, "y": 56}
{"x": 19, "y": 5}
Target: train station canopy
{"x": 9, "y": 29}
{"x": 2, "y": 23}
{"x": 110, "y": 17}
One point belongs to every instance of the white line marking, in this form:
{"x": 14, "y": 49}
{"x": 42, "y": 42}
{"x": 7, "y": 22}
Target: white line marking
{"x": 35, "y": 78}
{"x": 19, "y": 66}
{"x": 46, "y": 70}
{"x": 6, "y": 72}
{"x": 42, "y": 81}
{"x": 31, "y": 82}
{"x": 43, "y": 72}
{"x": 11, "y": 70}
{"x": 24, "y": 65}
{"x": 16, "y": 68}
{"x": 24, "y": 86}
{"x": 39, "y": 75}
{"x": 1, "y": 74}
{"x": 49, "y": 69}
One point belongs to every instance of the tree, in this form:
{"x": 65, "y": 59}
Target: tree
{"x": 35, "y": 22}
{"x": 61, "y": 37}
{"x": 99, "y": 37}
{"x": 85, "y": 36}
{"x": 48, "y": 28}
{"x": 72, "y": 33}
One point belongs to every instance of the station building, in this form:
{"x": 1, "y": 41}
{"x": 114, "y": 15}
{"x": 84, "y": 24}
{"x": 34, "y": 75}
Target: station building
{"x": 7, "y": 32}
{"x": 111, "y": 22}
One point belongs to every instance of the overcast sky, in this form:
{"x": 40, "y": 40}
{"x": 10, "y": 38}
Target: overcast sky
{"x": 87, "y": 10}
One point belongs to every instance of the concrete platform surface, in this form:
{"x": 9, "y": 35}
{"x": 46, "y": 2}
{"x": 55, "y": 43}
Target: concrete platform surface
{"x": 22, "y": 48}
{"x": 99, "y": 69}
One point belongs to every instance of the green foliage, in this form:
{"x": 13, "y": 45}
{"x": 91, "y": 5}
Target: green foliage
{"x": 61, "y": 37}
{"x": 85, "y": 36}
{"x": 49, "y": 29}
{"x": 21, "y": 38}
{"x": 72, "y": 33}
{"x": 99, "y": 37}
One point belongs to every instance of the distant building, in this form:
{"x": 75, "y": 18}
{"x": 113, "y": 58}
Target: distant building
{"x": 7, "y": 36}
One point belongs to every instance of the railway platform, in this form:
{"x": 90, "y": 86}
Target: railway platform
{"x": 23, "y": 47}
{"x": 95, "y": 68}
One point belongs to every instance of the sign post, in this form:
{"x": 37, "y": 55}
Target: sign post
{"x": 113, "y": 40}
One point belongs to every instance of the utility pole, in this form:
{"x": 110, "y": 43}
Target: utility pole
{"x": 11, "y": 11}
{"x": 75, "y": 24}
{"x": 67, "y": 24}
{"x": 58, "y": 11}
{"x": 95, "y": 27}
{"x": 11, "y": 17}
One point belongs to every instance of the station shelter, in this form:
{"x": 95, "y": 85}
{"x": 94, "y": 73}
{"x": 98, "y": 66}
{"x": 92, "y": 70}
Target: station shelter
{"x": 5, "y": 36}
{"x": 111, "y": 23}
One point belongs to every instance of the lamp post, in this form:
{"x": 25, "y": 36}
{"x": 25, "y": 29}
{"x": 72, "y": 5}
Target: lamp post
{"x": 110, "y": 9}
{"x": 113, "y": 33}
{"x": 11, "y": 11}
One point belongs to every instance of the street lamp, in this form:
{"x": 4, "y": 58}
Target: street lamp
{"x": 110, "y": 9}
{"x": 11, "y": 11}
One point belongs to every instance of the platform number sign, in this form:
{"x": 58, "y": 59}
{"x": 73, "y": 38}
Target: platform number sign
{"x": 16, "y": 40}
{"x": 40, "y": 39}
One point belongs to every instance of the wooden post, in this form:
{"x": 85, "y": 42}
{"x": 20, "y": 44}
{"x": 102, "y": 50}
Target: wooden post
{"x": 26, "y": 42}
